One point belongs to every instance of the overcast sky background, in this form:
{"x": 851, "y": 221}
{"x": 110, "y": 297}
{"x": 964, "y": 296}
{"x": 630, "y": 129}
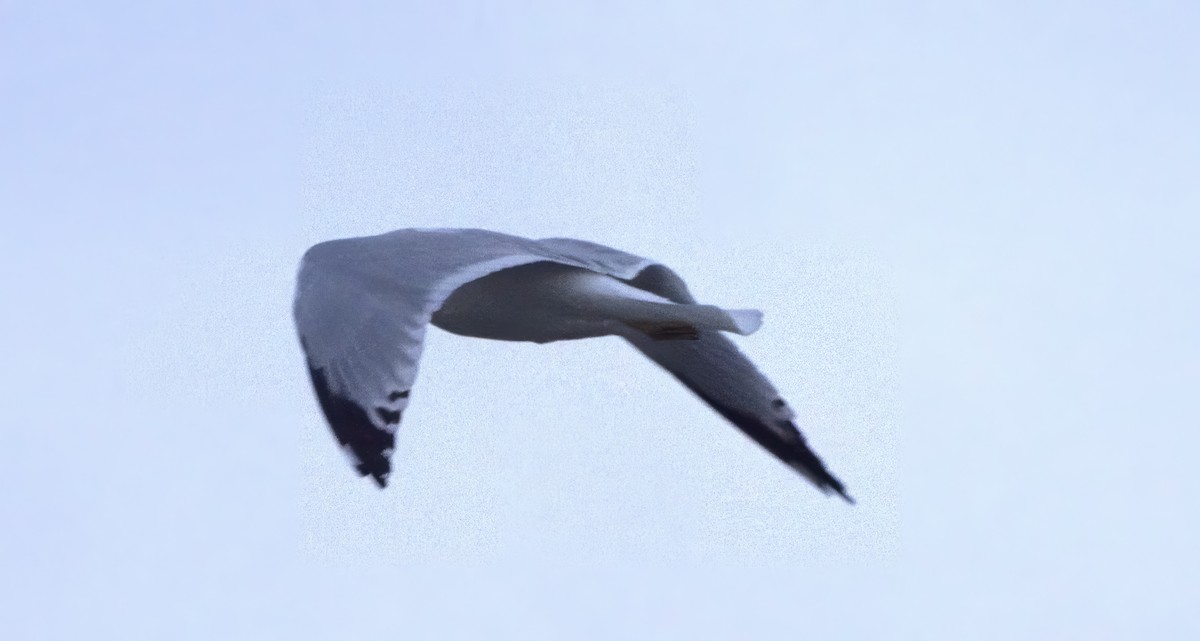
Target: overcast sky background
{"x": 972, "y": 227}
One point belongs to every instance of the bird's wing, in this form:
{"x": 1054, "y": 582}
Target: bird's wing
{"x": 362, "y": 306}
{"x": 362, "y": 349}
{"x": 714, "y": 369}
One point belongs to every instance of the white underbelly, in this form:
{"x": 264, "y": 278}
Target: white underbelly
{"x": 541, "y": 303}
{"x": 546, "y": 302}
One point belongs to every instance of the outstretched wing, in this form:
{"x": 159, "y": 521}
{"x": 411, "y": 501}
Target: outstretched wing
{"x": 714, "y": 369}
{"x": 362, "y": 306}
{"x": 362, "y": 351}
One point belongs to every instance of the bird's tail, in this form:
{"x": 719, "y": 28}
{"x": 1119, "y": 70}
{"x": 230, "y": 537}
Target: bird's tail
{"x": 670, "y": 321}
{"x": 744, "y": 321}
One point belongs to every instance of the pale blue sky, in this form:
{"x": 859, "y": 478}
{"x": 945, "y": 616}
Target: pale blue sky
{"x": 972, "y": 227}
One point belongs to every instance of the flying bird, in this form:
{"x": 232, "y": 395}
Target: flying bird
{"x": 362, "y": 307}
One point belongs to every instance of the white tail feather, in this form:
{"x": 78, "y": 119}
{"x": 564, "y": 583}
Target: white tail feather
{"x": 745, "y": 321}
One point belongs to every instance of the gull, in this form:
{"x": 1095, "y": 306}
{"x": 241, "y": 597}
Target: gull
{"x": 362, "y": 307}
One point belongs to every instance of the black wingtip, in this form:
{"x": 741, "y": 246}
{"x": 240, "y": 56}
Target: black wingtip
{"x": 787, "y": 444}
{"x": 840, "y": 490}
{"x": 802, "y": 459}
{"x": 353, "y": 429}
{"x": 815, "y": 470}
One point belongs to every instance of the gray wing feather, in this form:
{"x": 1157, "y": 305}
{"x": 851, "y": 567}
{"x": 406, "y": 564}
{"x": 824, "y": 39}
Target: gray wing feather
{"x": 715, "y": 370}
{"x": 363, "y": 304}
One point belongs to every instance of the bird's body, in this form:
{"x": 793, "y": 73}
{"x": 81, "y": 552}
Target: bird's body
{"x": 546, "y": 302}
{"x": 362, "y": 306}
